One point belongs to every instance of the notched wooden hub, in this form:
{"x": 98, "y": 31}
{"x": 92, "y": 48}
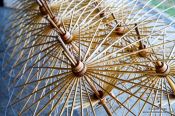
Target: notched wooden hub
{"x": 162, "y": 68}
{"x": 79, "y": 70}
{"x": 56, "y": 21}
{"x": 67, "y": 38}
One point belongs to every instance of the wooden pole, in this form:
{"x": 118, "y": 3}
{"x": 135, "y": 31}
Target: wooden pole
{"x": 171, "y": 83}
{"x": 51, "y": 18}
{"x": 102, "y": 100}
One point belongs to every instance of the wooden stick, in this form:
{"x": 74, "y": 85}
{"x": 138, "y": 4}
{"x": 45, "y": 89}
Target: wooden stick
{"x": 171, "y": 83}
{"x": 102, "y": 101}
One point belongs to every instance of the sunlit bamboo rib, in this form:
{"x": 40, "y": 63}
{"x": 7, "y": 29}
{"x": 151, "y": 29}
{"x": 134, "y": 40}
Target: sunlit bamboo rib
{"x": 161, "y": 97}
{"x": 171, "y": 54}
{"x": 135, "y": 93}
{"x": 88, "y": 22}
{"x": 37, "y": 105}
{"x": 80, "y": 16}
{"x": 56, "y": 95}
{"x": 67, "y": 99}
{"x": 41, "y": 98}
{"x": 171, "y": 83}
{"x": 81, "y": 100}
{"x": 19, "y": 63}
{"x": 120, "y": 38}
{"x": 43, "y": 79}
{"x": 109, "y": 69}
{"x": 135, "y": 52}
{"x": 114, "y": 85}
{"x": 112, "y": 96}
{"x": 143, "y": 81}
{"x": 98, "y": 94}
{"x": 148, "y": 11}
{"x": 125, "y": 64}
{"x": 51, "y": 84}
{"x": 88, "y": 50}
{"x": 41, "y": 76}
{"x": 72, "y": 109}
{"x": 147, "y": 100}
{"x": 73, "y": 61}
{"x": 130, "y": 94}
{"x": 17, "y": 76}
{"x": 57, "y": 57}
{"x": 29, "y": 98}
{"x": 156, "y": 93}
{"x": 39, "y": 45}
{"x": 123, "y": 81}
{"x": 28, "y": 81}
{"x": 18, "y": 43}
{"x": 168, "y": 100}
{"x": 123, "y": 49}
{"x": 102, "y": 18}
{"x": 93, "y": 111}
{"x": 155, "y": 81}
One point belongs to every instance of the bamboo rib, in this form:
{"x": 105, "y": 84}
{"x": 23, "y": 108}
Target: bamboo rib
{"x": 107, "y": 39}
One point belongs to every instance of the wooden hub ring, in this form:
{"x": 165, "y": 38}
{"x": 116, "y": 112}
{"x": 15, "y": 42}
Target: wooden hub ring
{"x": 79, "y": 70}
{"x": 56, "y": 21}
{"x": 67, "y": 38}
{"x": 162, "y": 68}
